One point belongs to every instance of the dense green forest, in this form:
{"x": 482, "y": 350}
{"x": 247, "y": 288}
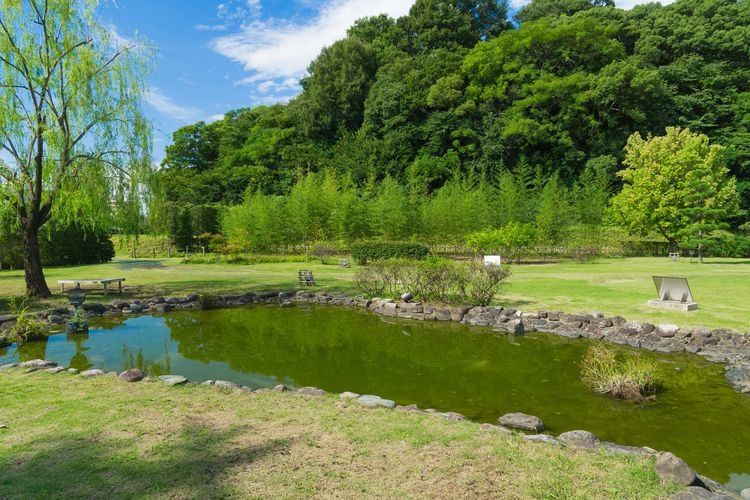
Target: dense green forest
{"x": 455, "y": 119}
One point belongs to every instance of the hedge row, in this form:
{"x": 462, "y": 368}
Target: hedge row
{"x": 365, "y": 251}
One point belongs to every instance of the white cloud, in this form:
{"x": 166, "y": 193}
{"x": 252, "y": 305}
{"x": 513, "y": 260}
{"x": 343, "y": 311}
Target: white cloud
{"x": 166, "y": 106}
{"x": 284, "y": 49}
{"x": 216, "y": 117}
{"x": 210, "y": 27}
{"x": 117, "y": 40}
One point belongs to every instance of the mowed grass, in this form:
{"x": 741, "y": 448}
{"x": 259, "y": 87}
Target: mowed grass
{"x": 622, "y": 287}
{"x": 69, "y": 437}
{"x": 612, "y": 286}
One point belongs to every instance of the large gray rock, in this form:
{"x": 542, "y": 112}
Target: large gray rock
{"x": 162, "y": 307}
{"x": 95, "y": 372}
{"x": 56, "y": 369}
{"x": 310, "y": 391}
{"x": 8, "y": 366}
{"x": 371, "y": 401}
{"x": 697, "y": 493}
{"x": 173, "y": 379}
{"x": 37, "y": 363}
{"x": 667, "y": 330}
{"x": 521, "y": 421}
{"x": 739, "y": 376}
{"x": 745, "y": 494}
{"x": 542, "y": 438}
{"x": 673, "y": 469}
{"x": 349, "y": 395}
{"x": 225, "y": 384}
{"x": 579, "y": 439}
{"x": 495, "y": 428}
{"x": 132, "y": 375}
{"x": 624, "y": 450}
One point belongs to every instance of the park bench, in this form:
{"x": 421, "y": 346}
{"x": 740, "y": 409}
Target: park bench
{"x": 305, "y": 277}
{"x": 104, "y": 282}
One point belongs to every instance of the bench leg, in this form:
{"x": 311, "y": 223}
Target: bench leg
{"x": 105, "y": 289}
{"x": 62, "y": 287}
{"x": 119, "y": 286}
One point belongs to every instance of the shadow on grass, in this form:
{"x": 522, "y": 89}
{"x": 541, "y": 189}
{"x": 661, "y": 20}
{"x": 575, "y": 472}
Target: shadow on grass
{"x": 191, "y": 464}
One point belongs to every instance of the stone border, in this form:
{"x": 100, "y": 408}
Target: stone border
{"x": 667, "y": 466}
{"x": 718, "y": 346}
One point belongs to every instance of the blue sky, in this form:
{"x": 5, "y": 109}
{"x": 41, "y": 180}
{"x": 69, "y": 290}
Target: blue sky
{"x": 214, "y": 56}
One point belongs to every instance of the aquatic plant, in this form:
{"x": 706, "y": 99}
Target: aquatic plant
{"x": 631, "y": 378}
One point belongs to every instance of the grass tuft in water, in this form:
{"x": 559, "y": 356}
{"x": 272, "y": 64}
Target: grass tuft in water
{"x": 631, "y": 378}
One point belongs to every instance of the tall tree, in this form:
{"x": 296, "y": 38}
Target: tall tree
{"x": 671, "y": 182}
{"x": 70, "y": 120}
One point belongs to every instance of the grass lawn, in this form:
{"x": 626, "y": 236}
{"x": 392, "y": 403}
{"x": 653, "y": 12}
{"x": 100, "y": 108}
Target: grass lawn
{"x": 613, "y": 286}
{"x": 64, "y": 436}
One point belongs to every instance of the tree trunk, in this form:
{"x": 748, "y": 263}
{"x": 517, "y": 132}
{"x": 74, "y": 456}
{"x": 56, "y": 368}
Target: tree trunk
{"x": 36, "y": 285}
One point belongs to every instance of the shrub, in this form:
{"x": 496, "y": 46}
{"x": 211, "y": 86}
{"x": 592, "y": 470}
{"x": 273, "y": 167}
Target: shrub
{"x": 366, "y": 251}
{"x": 323, "y": 251}
{"x": 27, "y": 326}
{"x": 209, "y": 301}
{"x": 629, "y": 379}
{"x": 434, "y": 280}
{"x": 243, "y": 259}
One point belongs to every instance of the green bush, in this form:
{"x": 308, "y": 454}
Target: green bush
{"x": 27, "y": 326}
{"x": 434, "y": 280}
{"x": 243, "y": 259}
{"x": 368, "y": 251}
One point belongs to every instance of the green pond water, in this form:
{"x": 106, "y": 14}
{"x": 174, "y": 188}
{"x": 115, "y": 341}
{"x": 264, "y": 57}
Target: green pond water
{"x": 445, "y": 366}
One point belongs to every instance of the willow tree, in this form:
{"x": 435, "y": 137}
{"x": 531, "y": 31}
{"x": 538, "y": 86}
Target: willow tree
{"x": 74, "y": 141}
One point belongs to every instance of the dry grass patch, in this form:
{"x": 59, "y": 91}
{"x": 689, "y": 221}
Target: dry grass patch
{"x": 71, "y": 437}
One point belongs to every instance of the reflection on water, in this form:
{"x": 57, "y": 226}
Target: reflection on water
{"x": 435, "y": 365}
{"x": 154, "y": 367}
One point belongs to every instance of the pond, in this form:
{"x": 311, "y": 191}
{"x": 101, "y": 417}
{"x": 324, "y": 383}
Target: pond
{"x": 445, "y": 366}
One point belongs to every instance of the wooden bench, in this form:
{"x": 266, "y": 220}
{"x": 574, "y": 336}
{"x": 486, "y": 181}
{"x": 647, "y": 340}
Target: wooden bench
{"x": 104, "y": 282}
{"x": 305, "y": 277}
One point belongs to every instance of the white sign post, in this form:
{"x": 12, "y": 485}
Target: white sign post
{"x": 492, "y": 260}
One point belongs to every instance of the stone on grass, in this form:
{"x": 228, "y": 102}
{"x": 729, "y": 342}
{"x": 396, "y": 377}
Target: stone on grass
{"x": 745, "y": 494}
{"x": 620, "y": 449}
{"x": 673, "y": 469}
{"x": 348, "y": 395}
{"x": 371, "y": 401}
{"x": 3, "y": 426}
{"x": 452, "y": 416}
{"x": 667, "y": 330}
{"x": 56, "y": 369}
{"x": 280, "y": 388}
{"x": 310, "y": 391}
{"x": 697, "y": 493}
{"x": 495, "y": 428}
{"x": 542, "y": 438}
{"x": 521, "y": 421}
{"x": 207, "y": 382}
{"x": 73, "y": 371}
{"x": 579, "y": 439}
{"x": 37, "y": 364}
{"x": 132, "y": 375}
{"x": 9, "y": 365}
{"x": 162, "y": 307}
{"x": 173, "y": 380}
{"x": 225, "y": 384}
{"x": 95, "y": 372}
